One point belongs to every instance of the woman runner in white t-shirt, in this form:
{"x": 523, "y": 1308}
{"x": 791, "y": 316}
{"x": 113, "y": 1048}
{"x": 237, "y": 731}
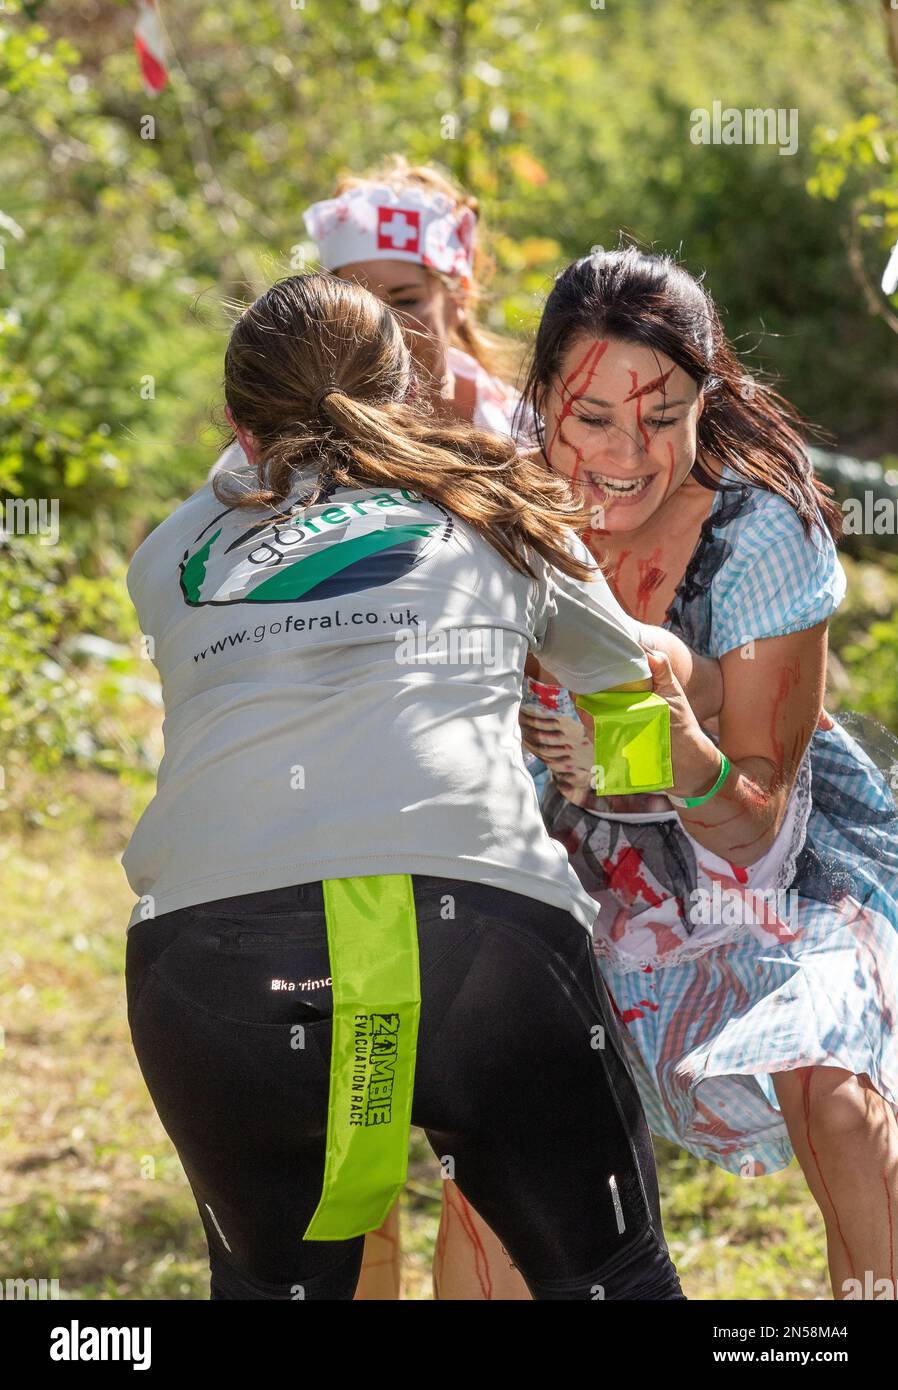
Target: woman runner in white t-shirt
{"x": 303, "y": 750}
{"x": 412, "y": 236}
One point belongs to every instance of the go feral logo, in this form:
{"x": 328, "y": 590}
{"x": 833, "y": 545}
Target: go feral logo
{"x": 305, "y": 556}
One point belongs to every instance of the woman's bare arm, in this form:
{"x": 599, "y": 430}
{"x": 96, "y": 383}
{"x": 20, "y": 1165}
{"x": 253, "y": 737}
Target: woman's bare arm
{"x": 700, "y": 676}
{"x": 772, "y": 703}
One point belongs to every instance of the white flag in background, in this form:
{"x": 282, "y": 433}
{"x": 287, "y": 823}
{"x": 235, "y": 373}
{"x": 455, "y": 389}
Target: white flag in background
{"x": 150, "y": 46}
{"x": 890, "y": 275}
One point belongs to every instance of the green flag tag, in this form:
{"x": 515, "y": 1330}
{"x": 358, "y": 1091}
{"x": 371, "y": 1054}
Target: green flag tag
{"x": 372, "y": 938}
{"x": 632, "y": 749}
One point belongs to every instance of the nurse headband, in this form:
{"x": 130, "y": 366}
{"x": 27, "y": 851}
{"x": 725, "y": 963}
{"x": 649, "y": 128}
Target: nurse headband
{"x": 377, "y": 223}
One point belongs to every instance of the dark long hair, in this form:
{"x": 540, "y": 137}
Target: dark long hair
{"x": 318, "y": 371}
{"x": 653, "y": 301}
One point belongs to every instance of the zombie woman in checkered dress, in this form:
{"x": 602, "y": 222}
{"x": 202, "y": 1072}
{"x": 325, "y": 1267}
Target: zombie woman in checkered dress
{"x": 748, "y": 934}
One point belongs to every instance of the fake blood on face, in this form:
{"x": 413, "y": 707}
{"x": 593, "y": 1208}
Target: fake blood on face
{"x": 573, "y": 388}
{"x": 637, "y": 393}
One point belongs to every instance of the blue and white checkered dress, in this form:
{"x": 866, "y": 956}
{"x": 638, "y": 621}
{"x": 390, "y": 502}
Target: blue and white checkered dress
{"x": 707, "y": 1020}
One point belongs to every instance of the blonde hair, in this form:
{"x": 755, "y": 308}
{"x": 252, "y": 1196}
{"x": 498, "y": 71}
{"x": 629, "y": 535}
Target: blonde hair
{"x": 318, "y": 370}
{"x": 498, "y": 354}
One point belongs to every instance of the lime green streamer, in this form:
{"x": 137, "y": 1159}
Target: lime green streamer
{"x": 632, "y": 741}
{"x": 372, "y": 937}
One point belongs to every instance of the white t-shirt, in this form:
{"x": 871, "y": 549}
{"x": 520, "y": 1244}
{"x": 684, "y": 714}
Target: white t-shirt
{"x": 341, "y": 689}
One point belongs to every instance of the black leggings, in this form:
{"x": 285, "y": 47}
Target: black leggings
{"x": 520, "y": 1086}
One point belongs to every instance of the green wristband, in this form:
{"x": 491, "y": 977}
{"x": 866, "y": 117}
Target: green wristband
{"x": 700, "y": 800}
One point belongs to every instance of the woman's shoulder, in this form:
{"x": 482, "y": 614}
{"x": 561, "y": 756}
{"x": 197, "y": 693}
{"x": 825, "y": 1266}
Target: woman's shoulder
{"x": 232, "y": 460}
{"x": 753, "y": 519}
{"x": 497, "y": 403}
{"x": 168, "y": 539}
{"x": 773, "y": 576}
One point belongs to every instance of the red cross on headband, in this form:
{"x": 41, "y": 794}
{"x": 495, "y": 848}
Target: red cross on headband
{"x": 375, "y": 222}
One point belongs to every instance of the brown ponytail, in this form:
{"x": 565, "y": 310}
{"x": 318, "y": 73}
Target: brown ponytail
{"x": 318, "y": 371}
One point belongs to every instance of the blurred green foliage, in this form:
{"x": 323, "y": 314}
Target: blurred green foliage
{"x": 864, "y": 633}
{"x": 63, "y": 697}
{"x": 126, "y": 220}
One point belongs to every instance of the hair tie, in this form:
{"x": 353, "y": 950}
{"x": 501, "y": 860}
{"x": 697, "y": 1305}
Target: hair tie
{"x": 320, "y": 396}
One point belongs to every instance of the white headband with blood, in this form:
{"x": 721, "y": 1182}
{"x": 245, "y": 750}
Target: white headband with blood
{"x": 376, "y": 223}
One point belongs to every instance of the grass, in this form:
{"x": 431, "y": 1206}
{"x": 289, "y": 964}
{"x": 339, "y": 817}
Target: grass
{"x": 93, "y": 1193}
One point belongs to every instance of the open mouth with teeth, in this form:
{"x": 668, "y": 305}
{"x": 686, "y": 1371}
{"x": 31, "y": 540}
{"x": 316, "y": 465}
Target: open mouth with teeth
{"x": 620, "y": 487}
